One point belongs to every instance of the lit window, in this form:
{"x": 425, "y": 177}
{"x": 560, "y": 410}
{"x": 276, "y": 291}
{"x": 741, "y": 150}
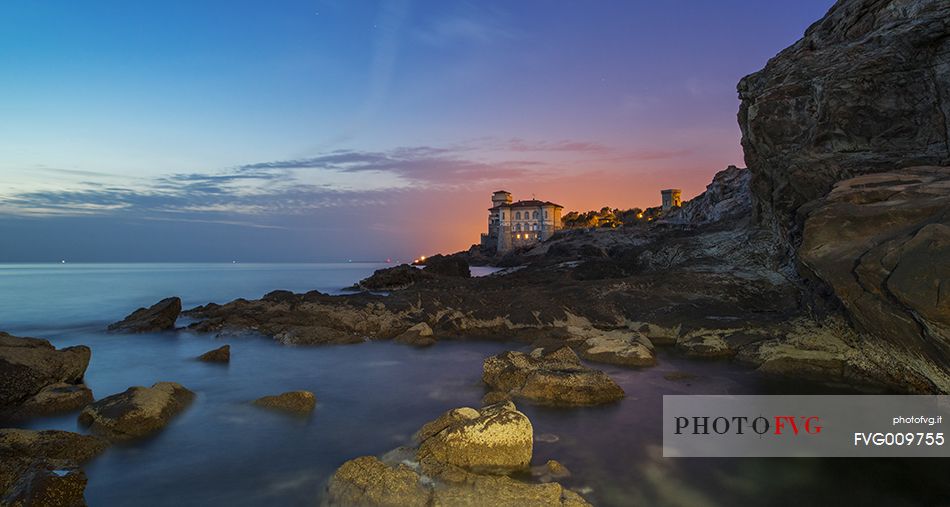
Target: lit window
{"x": 518, "y": 236}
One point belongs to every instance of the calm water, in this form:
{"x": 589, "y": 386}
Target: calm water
{"x": 372, "y": 397}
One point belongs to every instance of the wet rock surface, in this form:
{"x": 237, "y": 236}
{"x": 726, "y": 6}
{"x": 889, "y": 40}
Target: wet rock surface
{"x": 42, "y": 468}
{"x": 38, "y": 379}
{"x": 136, "y": 412}
{"x": 298, "y": 402}
{"x": 556, "y": 378}
{"x": 221, "y": 354}
{"x": 159, "y": 317}
{"x": 462, "y": 459}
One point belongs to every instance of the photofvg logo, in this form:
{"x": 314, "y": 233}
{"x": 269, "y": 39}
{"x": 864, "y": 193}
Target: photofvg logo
{"x": 804, "y": 426}
{"x": 761, "y": 425}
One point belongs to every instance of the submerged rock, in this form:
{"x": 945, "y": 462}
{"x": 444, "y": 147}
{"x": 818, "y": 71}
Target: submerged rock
{"x": 136, "y": 412}
{"x": 456, "y": 464}
{"x": 42, "y": 468}
{"x": 221, "y": 354}
{"x": 420, "y": 335}
{"x": 556, "y": 378}
{"x": 300, "y": 402}
{"x": 159, "y": 317}
{"x": 38, "y": 379}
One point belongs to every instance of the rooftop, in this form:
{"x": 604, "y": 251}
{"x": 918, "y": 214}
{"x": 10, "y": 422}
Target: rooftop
{"x": 531, "y": 203}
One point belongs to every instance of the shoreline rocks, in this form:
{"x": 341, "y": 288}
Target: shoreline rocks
{"x": 159, "y": 317}
{"x": 556, "y": 378}
{"x": 297, "y": 402}
{"x": 43, "y": 467}
{"x": 38, "y": 379}
{"x": 136, "y": 412}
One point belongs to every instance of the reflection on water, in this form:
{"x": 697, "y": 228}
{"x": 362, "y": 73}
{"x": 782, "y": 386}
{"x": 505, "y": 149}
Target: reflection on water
{"x": 372, "y": 397}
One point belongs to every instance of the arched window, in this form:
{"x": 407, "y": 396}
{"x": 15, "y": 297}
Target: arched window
{"x": 518, "y": 215}
{"x": 517, "y": 227}
{"x": 545, "y": 213}
{"x": 534, "y": 215}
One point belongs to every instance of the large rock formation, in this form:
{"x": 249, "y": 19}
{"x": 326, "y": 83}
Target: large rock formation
{"x": 38, "y": 379}
{"x": 42, "y": 468}
{"x": 556, "y": 378}
{"x": 136, "y": 412}
{"x": 882, "y": 243}
{"x": 866, "y": 90}
{"x": 159, "y": 317}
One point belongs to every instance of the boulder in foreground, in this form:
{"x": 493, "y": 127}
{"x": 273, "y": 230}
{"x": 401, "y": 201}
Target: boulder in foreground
{"x": 556, "y": 378}
{"x": 38, "y": 379}
{"x": 299, "y": 402}
{"x": 462, "y": 460}
{"x": 137, "y": 412}
{"x": 159, "y": 317}
{"x": 42, "y": 467}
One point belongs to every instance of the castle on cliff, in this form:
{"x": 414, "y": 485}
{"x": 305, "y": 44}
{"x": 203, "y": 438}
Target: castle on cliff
{"x": 516, "y": 224}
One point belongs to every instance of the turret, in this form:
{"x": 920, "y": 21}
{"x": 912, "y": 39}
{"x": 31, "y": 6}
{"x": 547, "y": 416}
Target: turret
{"x": 500, "y": 197}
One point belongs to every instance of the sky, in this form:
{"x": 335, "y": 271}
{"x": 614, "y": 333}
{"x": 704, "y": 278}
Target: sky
{"x": 333, "y": 130}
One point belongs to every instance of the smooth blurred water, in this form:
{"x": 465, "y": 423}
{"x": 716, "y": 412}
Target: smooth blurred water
{"x": 373, "y": 396}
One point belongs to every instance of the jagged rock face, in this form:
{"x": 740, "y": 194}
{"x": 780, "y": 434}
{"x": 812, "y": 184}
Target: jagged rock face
{"x": 882, "y": 243}
{"x": 159, "y": 317}
{"x": 866, "y": 90}
{"x": 221, "y": 354}
{"x": 32, "y": 372}
{"x": 727, "y": 197}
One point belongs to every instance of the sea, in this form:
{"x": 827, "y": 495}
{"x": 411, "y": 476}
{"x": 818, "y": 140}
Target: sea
{"x": 372, "y": 397}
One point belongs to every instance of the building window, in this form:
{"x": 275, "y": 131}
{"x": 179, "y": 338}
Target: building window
{"x": 518, "y": 236}
{"x": 502, "y": 215}
{"x": 534, "y": 215}
{"x": 545, "y": 213}
{"x": 518, "y": 215}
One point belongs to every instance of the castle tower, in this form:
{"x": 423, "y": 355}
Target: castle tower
{"x": 671, "y": 198}
{"x": 500, "y": 197}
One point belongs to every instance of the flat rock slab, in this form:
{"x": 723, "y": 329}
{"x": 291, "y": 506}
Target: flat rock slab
{"x": 497, "y": 437}
{"x": 557, "y": 378}
{"x": 159, "y": 317}
{"x": 137, "y": 412}
{"x": 299, "y": 402}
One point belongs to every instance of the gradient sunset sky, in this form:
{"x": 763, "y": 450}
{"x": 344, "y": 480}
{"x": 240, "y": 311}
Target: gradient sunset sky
{"x": 320, "y": 131}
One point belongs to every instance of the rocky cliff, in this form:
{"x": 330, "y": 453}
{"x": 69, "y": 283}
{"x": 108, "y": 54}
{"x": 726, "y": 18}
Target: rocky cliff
{"x": 835, "y": 130}
{"x": 866, "y": 90}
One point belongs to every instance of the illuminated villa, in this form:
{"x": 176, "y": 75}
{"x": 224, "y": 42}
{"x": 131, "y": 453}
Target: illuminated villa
{"x": 517, "y": 224}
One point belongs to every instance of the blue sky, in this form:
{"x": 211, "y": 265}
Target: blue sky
{"x": 329, "y": 130}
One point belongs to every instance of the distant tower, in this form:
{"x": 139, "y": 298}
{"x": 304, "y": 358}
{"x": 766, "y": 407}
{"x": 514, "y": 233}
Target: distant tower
{"x": 500, "y": 197}
{"x": 671, "y": 198}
